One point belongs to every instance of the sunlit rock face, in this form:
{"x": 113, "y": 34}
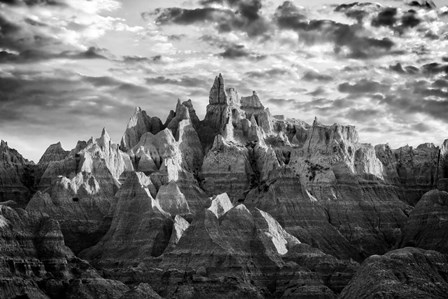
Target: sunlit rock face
{"x": 35, "y": 263}
{"x": 139, "y": 124}
{"x": 79, "y": 190}
{"x": 402, "y": 273}
{"x": 229, "y": 249}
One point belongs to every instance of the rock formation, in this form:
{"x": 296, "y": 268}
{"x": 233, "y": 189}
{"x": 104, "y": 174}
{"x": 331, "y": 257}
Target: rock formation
{"x": 35, "y": 263}
{"x": 139, "y": 228}
{"x": 78, "y": 191}
{"x": 427, "y": 225}
{"x": 240, "y": 204}
{"x": 402, "y": 273}
{"x": 16, "y": 176}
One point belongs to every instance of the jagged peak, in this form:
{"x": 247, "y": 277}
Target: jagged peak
{"x": 217, "y": 92}
{"x": 104, "y": 140}
{"x": 3, "y": 143}
{"x": 54, "y": 152}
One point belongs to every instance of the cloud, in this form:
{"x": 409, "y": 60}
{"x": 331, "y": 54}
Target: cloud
{"x": 362, "y": 115}
{"x": 362, "y": 86}
{"x": 239, "y": 15}
{"x": 267, "y": 74}
{"x": 315, "y": 76}
{"x": 37, "y": 55}
{"x": 233, "y": 51}
{"x": 42, "y": 29}
{"x": 343, "y": 36}
{"x": 183, "y": 81}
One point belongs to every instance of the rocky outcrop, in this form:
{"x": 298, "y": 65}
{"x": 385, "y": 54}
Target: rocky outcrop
{"x": 413, "y": 170}
{"x": 139, "y": 124}
{"x": 35, "y": 263}
{"x": 172, "y": 200}
{"x": 139, "y": 228}
{"x": 54, "y": 152}
{"x": 232, "y": 251}
{"x": 427, "y": 226}
{"x": 80, "y": 205}
{"x": 16, "y": 176}
{"x": 402, "y": 273}
{"x": 226, "y": 168}
{"x": 79, "y": 191}
{"x": 254, "y": 108}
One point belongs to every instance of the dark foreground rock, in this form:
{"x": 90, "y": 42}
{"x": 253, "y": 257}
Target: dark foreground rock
{"x": 402, "y": 273}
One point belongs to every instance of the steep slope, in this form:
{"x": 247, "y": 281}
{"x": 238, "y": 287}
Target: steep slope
{"x": 16, "y": 176}
{"x": 35, "y": 263}
{"x": 79, "y": 190}
{"x": 139, "y": 228}
{"x": 402, "y": 273}
{"x": 427, "y": 226}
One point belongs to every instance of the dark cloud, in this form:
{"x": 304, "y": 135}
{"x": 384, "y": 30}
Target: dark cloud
{"x": 318, "y": 91}
{"x": 315, "y": 76}
{"x": 435, "y": 68}
{"x": 417, "y": 97}
{"x": 357, "y": 10}
{"x": 440, "y": 83}
{"x": 139, "y": 59}
{"x": 387, "y": 17}
{"x": 183, "y": 81}
{"x": 362, "y": 86}
{"x": 361, "y": 115}
{"x": 37, "y": 55}
{"x": 34, "y": 2}
{"x": 233, "y": 51}
{"x": 281, "y": 102}
{"x": 241, "y": 15}
{"x": 288, "y": 16}
{"x": 269, "y": 74}
{"x": 404, "y": 70}
{"x": 428, "y": 4}
{"x": 422, "y": 127}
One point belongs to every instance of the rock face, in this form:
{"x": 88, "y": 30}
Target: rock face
{"x": 35, "y": 263}
{"x": 403, "y": 273}
{"x": 226, "y": 167}
{"x": 140, "y": 228}
{"x": 413, "y": 171}
{"x": 427, "y": 226}
{"x": 16, "y": 176}
{"x": 78, "y": 191}
{"x": 139, "y": 124}
{"x": 231, "y": 251}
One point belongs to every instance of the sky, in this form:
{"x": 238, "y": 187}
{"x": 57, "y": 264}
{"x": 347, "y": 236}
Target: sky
{"x": 68, "y": 68}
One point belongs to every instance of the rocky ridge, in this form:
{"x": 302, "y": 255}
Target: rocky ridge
{"x": 241, "y": 204}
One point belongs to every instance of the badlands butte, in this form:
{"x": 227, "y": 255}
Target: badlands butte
{"x": 241, "y": 204}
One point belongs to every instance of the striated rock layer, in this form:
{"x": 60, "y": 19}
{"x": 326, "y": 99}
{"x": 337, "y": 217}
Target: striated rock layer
{"x": 35, "y": 263}
{"x": 427, "y": 226}
{"x": 403, "y": 273}
{"x": 79, "y": 190}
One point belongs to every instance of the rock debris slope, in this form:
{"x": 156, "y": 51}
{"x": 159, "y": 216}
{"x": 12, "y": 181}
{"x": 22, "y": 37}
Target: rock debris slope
{"x": 240, "y": 204}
